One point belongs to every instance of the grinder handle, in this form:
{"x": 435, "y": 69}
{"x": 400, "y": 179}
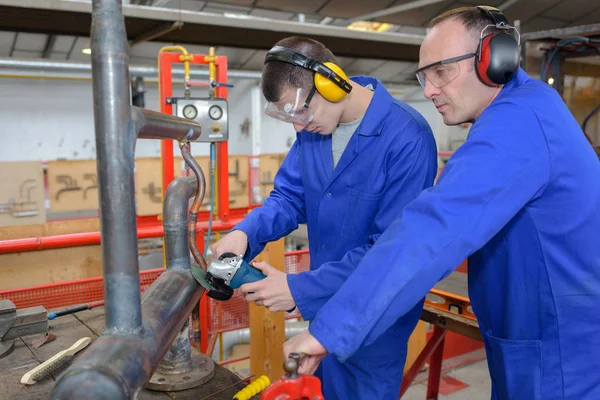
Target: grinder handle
{"x": 246, "y": 274}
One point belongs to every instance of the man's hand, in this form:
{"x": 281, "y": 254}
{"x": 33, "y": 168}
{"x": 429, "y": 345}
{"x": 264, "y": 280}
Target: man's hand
{"x": 305, "y": 343}
{"x": 234, "y": 242}
{"x": 272, "y": 292}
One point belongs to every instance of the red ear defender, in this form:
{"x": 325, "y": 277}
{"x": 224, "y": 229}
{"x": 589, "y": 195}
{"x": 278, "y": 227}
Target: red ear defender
{"x": 482, "y": 61}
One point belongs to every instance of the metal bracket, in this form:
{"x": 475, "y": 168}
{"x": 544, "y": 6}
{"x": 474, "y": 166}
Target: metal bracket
{"x": 70, "y": 184}
{"x": 94, "y": 185}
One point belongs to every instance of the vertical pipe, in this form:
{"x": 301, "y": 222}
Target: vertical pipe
{"x": 175, "y": 221}
{"x": 115, "y": 144}
{"x": 222, "y": 148}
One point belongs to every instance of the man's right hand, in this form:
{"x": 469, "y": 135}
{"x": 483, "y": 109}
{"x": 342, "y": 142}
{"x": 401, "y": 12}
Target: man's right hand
{"x": 234, "y": 242}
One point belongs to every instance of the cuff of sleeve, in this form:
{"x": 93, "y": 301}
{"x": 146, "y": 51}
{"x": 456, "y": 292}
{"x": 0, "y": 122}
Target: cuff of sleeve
{"x": 329, "y": 340}
{"x": 296, "y": 282}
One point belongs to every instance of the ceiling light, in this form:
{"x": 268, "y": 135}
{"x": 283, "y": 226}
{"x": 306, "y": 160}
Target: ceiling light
{"x": 87, "y": 51}
{"x": 370, "y": 26}
{"x": 550, "y": 81}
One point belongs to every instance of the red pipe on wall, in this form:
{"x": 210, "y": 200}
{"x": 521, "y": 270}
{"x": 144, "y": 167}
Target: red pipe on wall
{"x": 89, "y": 238}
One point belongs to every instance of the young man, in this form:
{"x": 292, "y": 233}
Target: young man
{"x": 360, "y": 156}
{"x": 521, "y": 199}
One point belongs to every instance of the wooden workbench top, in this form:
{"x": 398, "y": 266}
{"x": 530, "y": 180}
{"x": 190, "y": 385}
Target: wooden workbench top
{"x": 70, "y": 328}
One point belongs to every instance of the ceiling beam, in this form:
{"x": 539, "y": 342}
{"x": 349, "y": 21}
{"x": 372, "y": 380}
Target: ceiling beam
{"x": 581, "y": 30}
{"x": 49, "y": 46}
{"x": 14, "y": 43}
{"x": 62, "y": 17}
{"x": 395, "y": 10}
{"x": 506, "y": 4}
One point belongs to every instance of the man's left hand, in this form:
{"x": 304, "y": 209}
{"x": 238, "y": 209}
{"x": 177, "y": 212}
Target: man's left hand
{"x": 272, "y": 292}
{"x": 305, "y": 343}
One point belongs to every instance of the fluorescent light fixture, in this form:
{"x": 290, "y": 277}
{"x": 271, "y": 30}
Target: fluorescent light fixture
{"x": 87, "y": 51}
{"x": 370, "y": 26}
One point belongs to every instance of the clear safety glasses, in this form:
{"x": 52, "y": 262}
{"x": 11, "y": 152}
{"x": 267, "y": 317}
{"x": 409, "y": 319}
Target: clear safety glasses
{"x": 295, "y": 111}
{"x": 442, "y": 72}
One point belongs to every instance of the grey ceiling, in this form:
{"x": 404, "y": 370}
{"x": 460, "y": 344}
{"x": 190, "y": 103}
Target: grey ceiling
{"x": 61, "y": 35}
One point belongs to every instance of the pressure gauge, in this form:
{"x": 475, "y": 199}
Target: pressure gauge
{"x": 215, "y": 112}
{"x": 190, "y": 112}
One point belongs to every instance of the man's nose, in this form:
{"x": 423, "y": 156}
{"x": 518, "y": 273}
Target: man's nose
{"x": 430, "y": 91}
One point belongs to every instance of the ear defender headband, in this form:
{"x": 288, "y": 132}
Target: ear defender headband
{"x": 497, "y": 57}
{"x": 330, "y": 80}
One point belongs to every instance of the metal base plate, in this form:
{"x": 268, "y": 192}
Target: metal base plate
{"x": 203, "y": 369}
{"x": 6, "y": 347}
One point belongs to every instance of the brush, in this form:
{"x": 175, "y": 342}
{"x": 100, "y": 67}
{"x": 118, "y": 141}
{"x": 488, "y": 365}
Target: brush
{"x": 55, "y": 364}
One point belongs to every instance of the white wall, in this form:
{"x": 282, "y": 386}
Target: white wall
{"x": 43, "y": 119}
{"x": 448, "y": 138}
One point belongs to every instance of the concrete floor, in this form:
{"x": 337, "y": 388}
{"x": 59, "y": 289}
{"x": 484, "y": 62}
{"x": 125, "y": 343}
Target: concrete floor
{"x": 475, "y": 375}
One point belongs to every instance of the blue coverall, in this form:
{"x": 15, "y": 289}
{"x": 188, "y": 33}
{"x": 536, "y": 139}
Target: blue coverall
{"x": 521, "y": 198}
{"x": 389, "y": 160}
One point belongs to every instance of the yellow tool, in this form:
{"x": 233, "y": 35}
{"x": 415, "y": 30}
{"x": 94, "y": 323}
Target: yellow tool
{"x": 252, "y": 389}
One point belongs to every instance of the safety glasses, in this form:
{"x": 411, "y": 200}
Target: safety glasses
{"x": 296, "y": 111}
{"x": 442, "y": 72}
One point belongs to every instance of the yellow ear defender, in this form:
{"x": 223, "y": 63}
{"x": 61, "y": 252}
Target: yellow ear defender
{"x": 330, "y": 80}
{"x": 331, "y": 88}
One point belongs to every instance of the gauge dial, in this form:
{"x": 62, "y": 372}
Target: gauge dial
{"x": 215, "y": 112}
{"x": 190, "y": 112}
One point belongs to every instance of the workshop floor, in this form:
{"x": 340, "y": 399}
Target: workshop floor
{"x": 468, "y": 382}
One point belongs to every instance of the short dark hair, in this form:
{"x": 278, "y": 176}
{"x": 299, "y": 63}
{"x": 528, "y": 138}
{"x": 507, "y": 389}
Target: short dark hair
{"x": 277, "y": 75}
{"x": 470, "y": 17}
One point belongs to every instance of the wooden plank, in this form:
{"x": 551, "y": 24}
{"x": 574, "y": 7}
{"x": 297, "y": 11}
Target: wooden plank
{"x": 50, "y": 228}
{"x": 21, "y": 193}
{"x": 93, "y": 319}
{"x": 19, "y": 270}
{"x": 148, "y": 187}
{"x": 452, "y": 322}
{"x": 267, "y": 329}
{"x": 68, "y": 329}
{"x": 72, "y": 185}
{"x": 269, "y": 165}
{"x": 238, "y": 181}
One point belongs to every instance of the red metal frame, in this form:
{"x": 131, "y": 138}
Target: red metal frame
{"x": 434, "y": 350}
{"x": 166, "y": 61}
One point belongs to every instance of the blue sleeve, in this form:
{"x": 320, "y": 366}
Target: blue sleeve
{"x": 282, "y": 211}
{"x": 503, "y": 165}
{"x": 409, "y": 171}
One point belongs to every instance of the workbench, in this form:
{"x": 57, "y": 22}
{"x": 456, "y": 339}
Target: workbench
{"x": 70, "y": 328}
{"x": 443, "y": 321}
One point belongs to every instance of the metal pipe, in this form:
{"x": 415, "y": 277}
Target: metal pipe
{"x": 195, "y": 208}
{"x": 139, "y": 70}
{"x": 155, "y": 125}
{"x": 175, "y": 221}
{"x": 115, "y": 146}
{"x": 242, "y": 336}
{"x": 117, "y": 367}
{"x": 38, "y": 243}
